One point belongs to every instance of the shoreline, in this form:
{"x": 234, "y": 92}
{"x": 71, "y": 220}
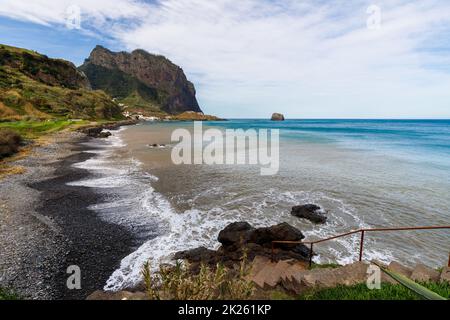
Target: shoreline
{"x": 46, "y": 225}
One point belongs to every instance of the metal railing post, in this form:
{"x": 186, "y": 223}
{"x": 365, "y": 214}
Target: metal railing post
{"x": 273, "y": 252}
{"x": 311, "y": 255}
{"x": 361, "y": 246}
{"x": 448, "y": 260}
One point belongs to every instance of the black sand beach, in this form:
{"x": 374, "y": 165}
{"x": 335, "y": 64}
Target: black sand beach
{"x": 61, "y": 230}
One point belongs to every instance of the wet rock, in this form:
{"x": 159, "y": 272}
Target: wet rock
{"x": 235, "y": 233}
{"x": 196, "y": 255}
{"x": 240, "y": 238}
{"x": 92, "y": 132}
{"x": 155, "y": 145}
{"x": 104, "y": 135}
{"x": 97, "y": 131}
{"x": 283, "y": 232}
{"x": 277, "y": 117}
{"x": 310, "y": 212}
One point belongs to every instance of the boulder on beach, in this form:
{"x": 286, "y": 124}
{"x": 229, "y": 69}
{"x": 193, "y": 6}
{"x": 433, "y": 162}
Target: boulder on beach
{"x": 155, "y": 145}
{"x": 104, "y": 134}
{"x": 277, "y": 117}
{"x": 311, "y": 212}
{"x": 241, "y": 238}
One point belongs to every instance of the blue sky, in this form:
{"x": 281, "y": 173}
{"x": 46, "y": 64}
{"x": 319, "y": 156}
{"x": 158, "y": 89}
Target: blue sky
{"x": 306, "y": 59}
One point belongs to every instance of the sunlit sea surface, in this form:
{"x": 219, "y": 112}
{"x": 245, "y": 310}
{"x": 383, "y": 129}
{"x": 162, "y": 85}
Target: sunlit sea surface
{"x": 366, "y": 173}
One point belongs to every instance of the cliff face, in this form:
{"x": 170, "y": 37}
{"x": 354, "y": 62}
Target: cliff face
{"x": 35, "y": 86}
{"x": 53, "y": 72}
{"x": 141, "y": 80}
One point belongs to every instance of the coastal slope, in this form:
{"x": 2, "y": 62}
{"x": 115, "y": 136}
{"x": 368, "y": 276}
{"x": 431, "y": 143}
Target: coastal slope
{"x": 144, "y": 82}
{"x": 34, "y": 86}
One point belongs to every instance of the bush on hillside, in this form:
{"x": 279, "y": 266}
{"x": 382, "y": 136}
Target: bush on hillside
{"x": 10, "y": 142}
{"x": 180, "y": 283}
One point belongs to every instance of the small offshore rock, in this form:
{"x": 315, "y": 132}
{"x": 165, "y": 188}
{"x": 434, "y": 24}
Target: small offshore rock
{"x": 311, "y": 212}
{"x": 278, "y": 117}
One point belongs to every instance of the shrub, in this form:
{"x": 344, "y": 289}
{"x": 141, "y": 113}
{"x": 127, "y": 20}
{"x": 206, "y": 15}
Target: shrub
{"x": 9, "y": 142}
{"x": 8, "y": 295}
{"x": 388, "y": 292}
{"x": 179, "y": 283}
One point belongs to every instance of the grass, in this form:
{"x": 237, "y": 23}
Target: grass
{"x": 35, "y": 129}
{"x": 180, "y": 283}
{"x": 325, "y": 266}
{"x": 387, "y": 292}
{"x": 6, "y": 294}
{"x": 34, "y": 86}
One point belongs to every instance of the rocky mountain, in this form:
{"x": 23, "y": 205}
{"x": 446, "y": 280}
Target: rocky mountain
{"x": 140, "y": 80}
{"x": 35, "y": 86}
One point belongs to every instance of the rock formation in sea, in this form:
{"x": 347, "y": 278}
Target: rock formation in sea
{"x": 141, "y": 81}
{"x": 311, "y": 212}
{"x": 241, "y": 238}
{"x": 277, "y": 117}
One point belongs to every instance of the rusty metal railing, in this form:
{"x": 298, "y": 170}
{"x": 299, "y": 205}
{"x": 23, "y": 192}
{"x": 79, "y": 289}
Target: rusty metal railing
{"x": 363, "y": 233}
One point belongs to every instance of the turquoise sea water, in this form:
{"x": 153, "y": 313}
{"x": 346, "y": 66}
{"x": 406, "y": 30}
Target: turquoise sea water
{"x": 365, "y": 173}
{"x": 426, "y": 141}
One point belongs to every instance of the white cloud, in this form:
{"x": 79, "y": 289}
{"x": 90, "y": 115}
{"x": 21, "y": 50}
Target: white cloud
{"x": 303, "y": 58}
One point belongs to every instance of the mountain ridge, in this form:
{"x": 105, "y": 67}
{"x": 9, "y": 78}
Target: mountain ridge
{"x": 34, "y": 86}
{"x": 141, "y": 80}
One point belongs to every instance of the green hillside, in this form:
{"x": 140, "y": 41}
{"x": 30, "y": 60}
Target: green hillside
{"x": 35, "y": 87}
{"x": 142, "y": 82}
{"x": 124, "y": 88}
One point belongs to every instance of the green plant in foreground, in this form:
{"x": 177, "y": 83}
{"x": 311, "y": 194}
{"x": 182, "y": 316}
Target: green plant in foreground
{"x": 388, "y": 291}
{"x": 6, "y": 294}
{"x": 180, "y": 283}
{"x": 325, "y": 266}
{"x": 420, "y": 290}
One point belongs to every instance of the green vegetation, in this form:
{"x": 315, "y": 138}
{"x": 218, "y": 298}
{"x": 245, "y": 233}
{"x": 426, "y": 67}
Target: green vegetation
{"x": 418, "y": 289}
{"x": 325, "y": 266}
{"x": 125, "y": 88}
{"x": 32, "y": 86}
{"x": 8, "y": 295}
{"x": 194, "y": 116}
{"x": 35, "y": 129}
{"x": 179, "y": 283}
{"x": 9, "y": 142}
{"x": 387, "y": 292}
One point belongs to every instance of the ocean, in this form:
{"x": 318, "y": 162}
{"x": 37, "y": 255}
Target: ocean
{"x": 365, "y": 173}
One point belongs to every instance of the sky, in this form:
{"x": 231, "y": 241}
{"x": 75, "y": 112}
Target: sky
{"x": 251, "y": 58}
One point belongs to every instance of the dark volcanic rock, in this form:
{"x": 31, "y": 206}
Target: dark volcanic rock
{"x": 93, "y": 132}
{"x": 97, "y": 131}
{"x": 241, "y": 238}
{"x": 196, "y": 255}
{"x": 310, "y": 212}
{"x": 235, "y": 233}
{"x": 283, "y": 231}
{"x": 154, "y": 78}
{"x": 104, "y": 135}
{"x": 277, "y": 117}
